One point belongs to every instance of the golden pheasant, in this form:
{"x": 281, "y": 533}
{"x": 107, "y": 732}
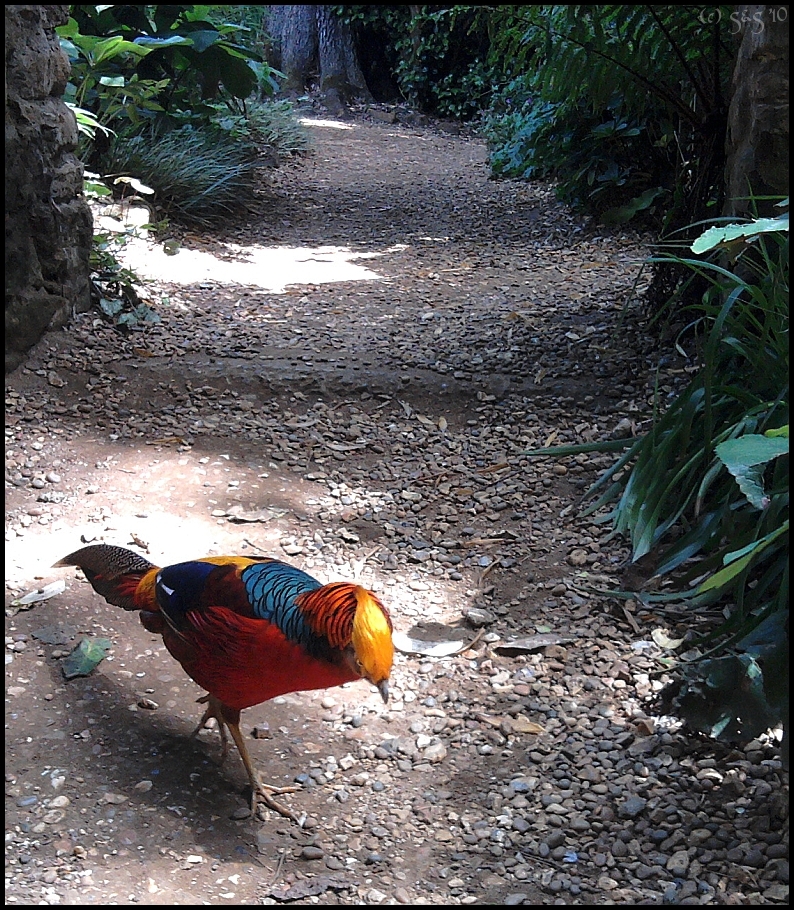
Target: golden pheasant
{"x": 247, "y": 630}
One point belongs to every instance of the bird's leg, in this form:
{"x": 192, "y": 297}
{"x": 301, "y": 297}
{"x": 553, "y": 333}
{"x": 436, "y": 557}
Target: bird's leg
{"x": 258, "y": 789}
{"x": 214, "y": 709}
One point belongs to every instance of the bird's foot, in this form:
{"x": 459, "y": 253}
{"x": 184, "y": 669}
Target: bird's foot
{"x": 213, "y": 710}
{"x": 263, "y": 794}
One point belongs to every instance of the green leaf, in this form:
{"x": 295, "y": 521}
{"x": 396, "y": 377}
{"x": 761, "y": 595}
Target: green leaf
{"x": 156, "y": 43}
{"x": 751, "y": 482}
{"x": 745, "y": 457}
{"x": 623, "y": 213}
{"x": 98, "y": 50}
{"x": 237, "y": 77}
{"x": 751, "y": 449}
{"x": 111, "y": 307}
{"x": 605, "y": 445}
{"x": 742, "y": 560}
{"x": 204, "y": 39}
{"x": 69, "y": 30}
{"x": 86, "y": 657}
{"x": 728, "y": 232}
{"x": 93, "y": 186}
{"x": 112, "y": 81}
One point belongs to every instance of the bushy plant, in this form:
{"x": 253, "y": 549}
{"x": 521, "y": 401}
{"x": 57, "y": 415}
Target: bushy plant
{"x": 600, "y": 163}
{"x": 437, "y": 57}
{"x": 705, "y": 490}
{"x": 140, "y": 73}
{"x": 272, "y": 124}
{"x": 138, "y": 67}
{"x": 647, "y": 120}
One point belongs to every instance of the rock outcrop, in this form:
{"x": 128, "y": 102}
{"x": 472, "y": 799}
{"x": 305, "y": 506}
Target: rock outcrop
{"x": 48, "y": 222}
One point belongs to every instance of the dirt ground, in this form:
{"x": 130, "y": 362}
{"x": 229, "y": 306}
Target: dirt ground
{"x": 350, "y": 381}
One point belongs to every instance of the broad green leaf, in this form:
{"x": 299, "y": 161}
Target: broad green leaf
{"x": 237, "y": 77}
{"x": 623, "y": 213}
{"x": 751, "y": 449}
{"x": 146, "y": 41}
{"x": 98, "y": 189}
{"x": 746, "y": 457}
{"x": 751, "y": 482}
{"x": 69, "y": 30}
{"x": 107, "y": 48}
{"x": 204, "y": 39}
{"x": 728, "y": 232}
{"x": 86, "y": 657}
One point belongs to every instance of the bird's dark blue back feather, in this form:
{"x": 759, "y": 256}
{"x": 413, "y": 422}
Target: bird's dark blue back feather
{"x": 179, "y": 589}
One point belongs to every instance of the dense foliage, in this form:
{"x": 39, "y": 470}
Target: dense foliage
{"x": 155, "y": 66}
{"x": 705, "y": 490}
{"x": 168, "y": 104}
{"x": 434, "y": 57}
{"x": 164, "y": 94}
{"x": 643, "y": 133}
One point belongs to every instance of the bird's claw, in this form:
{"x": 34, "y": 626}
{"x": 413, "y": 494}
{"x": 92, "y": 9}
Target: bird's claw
{"x": 213, "y": 709}
{"x": 262, "y": 795}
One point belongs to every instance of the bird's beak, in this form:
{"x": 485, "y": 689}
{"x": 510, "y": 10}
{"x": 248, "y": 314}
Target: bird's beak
{"x": 383, "y": 688}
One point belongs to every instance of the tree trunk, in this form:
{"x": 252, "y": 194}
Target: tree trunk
{"x": 758, "y": 132}
{"x": 317, "y": 49}
{"x": 341, "y": 79}
{"x": 299, "y": 47}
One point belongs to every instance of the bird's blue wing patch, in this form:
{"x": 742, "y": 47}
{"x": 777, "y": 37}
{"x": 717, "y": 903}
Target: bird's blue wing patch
{"x": 272, "y": 588}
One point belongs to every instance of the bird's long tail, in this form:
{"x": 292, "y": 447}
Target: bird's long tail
{"x": 116, "y": 573}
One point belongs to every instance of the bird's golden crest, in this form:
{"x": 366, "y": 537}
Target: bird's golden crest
{"x": 371, "y": 636}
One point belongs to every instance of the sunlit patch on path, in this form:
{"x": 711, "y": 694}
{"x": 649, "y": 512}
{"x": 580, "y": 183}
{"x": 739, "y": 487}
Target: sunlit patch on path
{"x": 270, "y": 268}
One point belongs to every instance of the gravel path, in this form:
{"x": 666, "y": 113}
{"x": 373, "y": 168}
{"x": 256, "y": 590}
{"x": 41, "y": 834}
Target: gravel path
{"x": 368, "y": 419}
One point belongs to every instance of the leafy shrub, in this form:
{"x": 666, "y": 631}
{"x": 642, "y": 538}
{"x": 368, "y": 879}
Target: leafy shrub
{"x": 705, "y": 491}
{"x": 649, "y": 118}
{"x": 148, "y": 69}
{"x": 115, "y": 288}
{"x": 437, "y": 58}
{"x": 272, "y": 124}
{"x": 599, "y": 162}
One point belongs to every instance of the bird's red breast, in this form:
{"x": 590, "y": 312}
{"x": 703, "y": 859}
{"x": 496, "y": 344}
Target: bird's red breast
{"x": 244, "y": 661}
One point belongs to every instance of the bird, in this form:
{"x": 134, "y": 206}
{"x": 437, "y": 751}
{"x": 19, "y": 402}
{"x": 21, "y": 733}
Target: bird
{"x": 248, "y": 629}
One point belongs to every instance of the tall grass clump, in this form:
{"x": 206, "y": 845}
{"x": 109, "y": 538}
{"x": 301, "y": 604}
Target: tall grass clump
{"x": 272, "y": 126}
{"x": 199, "y": 176}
